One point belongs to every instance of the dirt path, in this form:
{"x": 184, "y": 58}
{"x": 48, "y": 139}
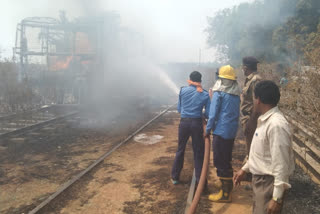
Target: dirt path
{"x": 241, "y": 196}
{"x": 136, "y": 179}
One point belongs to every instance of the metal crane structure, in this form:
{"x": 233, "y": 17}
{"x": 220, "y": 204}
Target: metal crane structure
{"x": 69, "y": 50}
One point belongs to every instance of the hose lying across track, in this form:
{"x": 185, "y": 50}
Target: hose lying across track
{"x": 81, "y": 174}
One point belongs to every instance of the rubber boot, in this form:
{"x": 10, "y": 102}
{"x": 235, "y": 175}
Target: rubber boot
{"x": 224, "y": 195}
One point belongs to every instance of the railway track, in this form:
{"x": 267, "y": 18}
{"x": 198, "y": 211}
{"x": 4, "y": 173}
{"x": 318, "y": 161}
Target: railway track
{"x": 16, "y": 124}
{"x": 67, "y": 185}
{"x": 305, "y": 145}
{"x": 191, "y": 193}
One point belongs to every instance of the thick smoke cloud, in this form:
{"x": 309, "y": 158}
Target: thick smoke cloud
{"x": 128, "y": 76}
{"x": 250, "y": 29}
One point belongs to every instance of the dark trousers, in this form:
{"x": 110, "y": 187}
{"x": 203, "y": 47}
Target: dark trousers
{"x": 222, "y": 156}
{"x": 189, "y": 127}
{"x": 249, "y": 130}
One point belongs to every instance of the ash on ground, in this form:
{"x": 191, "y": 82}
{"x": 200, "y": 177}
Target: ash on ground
{"x": 304, "y": 195}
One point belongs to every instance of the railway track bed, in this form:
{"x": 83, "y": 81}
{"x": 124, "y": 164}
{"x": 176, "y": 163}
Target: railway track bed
{"x": 133, "y": 179}
{"x": 21, "y": 122}
{"x": 34, "y": 163}
{"x": 136, "y": 178}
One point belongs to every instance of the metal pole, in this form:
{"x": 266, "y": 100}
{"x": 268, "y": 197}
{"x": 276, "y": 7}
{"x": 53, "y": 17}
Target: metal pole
{"x": 199, "y": 57}
{"x": 47, "y": 48}
{"x": 20, "y": 75}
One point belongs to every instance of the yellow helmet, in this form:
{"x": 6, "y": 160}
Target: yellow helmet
{"x": 227, "y": 72}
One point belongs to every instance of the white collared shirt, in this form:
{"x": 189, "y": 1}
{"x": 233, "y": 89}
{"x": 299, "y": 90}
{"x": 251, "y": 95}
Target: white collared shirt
{"x": 271, "y": 150}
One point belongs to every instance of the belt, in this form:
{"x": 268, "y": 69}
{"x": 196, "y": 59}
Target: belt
{"x": 190, "y": 119}
{"x": 263, "y": 176}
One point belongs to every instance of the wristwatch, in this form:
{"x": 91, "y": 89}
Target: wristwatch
{"x": 278, "y": 200}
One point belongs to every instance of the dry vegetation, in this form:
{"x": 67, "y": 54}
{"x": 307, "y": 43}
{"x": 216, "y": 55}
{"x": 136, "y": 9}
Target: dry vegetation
{"x": 300, "y": 98}
{"x": 15, "y": 96}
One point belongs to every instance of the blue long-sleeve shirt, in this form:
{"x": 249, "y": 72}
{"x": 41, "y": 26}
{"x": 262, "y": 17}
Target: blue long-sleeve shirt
{"x": 224, "y": 115}
{"x": 191, "y": 102}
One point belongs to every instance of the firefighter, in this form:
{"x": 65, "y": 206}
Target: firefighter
{"x": 192, "y": 100}
{"x": 223, "y": 121}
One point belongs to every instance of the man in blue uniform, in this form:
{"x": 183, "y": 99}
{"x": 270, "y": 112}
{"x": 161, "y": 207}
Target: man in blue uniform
{"x": 223, "y": 121}
{"x": 192, "y": 100}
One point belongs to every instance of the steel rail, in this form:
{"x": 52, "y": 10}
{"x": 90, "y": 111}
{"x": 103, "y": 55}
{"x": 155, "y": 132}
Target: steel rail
{"x": 76, "y": 178}
{"x": 10, "y": 116}
{"x": 31, "y": 111}
{"x": 37, "y": 125}
{"x": 41, "y": 120}
{"x": 191, "y": 192}
{"x": 203, "y": 178}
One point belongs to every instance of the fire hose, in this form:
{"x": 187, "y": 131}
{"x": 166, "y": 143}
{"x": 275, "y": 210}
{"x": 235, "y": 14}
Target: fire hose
{"x": 203, "y": 176}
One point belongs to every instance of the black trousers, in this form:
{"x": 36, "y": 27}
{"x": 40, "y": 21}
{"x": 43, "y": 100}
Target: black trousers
{"x": 189, "y": 127}
{"x": 222, "y": 155}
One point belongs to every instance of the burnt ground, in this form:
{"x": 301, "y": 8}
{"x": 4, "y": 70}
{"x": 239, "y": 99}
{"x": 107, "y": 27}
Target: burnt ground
{"x": 304, "y": 196}
{"x": 241, "y": 196}
{"x": 136, "y": 179}
{"x": 155, "y": 182}
{"x": 34, "y": 165}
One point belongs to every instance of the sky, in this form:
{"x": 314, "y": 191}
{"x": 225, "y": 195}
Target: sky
{"x": 174, "y": 29}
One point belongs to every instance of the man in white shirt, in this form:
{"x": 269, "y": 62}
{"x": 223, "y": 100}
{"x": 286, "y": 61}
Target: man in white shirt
{"x": 271, "y": 159}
